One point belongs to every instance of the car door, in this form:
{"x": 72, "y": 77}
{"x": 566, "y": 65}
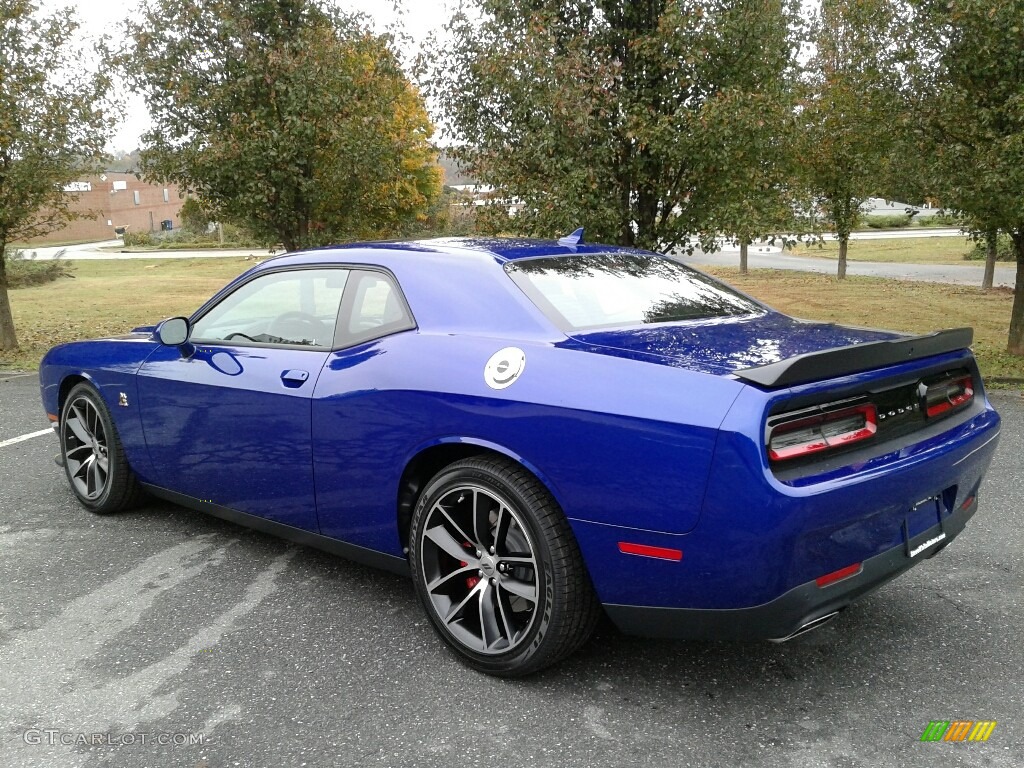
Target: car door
{"x": 359, "y": 437}
{"x": 227, "y": 418}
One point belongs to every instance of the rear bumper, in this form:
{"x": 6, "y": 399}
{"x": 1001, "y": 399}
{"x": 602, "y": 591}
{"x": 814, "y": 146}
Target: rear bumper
{"x": 787, "y": 614}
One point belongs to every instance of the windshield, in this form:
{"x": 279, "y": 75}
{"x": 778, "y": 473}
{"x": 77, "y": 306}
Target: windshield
{"x": 585, "y": 292}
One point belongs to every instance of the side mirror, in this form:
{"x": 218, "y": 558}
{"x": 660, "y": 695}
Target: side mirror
{"x": 173, "y": 332}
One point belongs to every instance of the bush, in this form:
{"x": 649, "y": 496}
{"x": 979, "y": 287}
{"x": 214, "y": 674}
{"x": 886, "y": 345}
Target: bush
{"x": 943, "y": 219}
{"x": 138, "y": 239}
{"x": 23, "y": 271}
{"x": 887, "y": 222}
{"x": 193, "y": 217}
{"x": 1004, "y": 250}
{"x": 234, "y": 237}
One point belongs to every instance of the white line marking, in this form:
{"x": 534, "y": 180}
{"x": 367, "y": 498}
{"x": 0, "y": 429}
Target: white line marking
{"x": 29, "y": 436}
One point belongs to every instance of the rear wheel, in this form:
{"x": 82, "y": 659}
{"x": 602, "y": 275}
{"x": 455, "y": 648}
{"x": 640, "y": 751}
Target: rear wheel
{"x": 498, "y": 570}
{"x": 94, "y": 460}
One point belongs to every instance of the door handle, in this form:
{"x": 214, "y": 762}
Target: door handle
{"x": 294, "y": 378}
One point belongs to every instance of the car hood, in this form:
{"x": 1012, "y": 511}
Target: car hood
{"x": 724, "y": 346}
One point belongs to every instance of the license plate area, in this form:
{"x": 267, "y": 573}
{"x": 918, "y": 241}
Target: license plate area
{"x": 922, "y": 527}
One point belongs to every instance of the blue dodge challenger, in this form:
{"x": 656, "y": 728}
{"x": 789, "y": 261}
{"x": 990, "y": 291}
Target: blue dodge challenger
{"x": 539, "y": 433}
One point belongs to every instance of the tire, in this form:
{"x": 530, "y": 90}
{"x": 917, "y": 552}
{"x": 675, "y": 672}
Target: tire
{"x": 498, "y": 570}
{"x": 94, "y": 460}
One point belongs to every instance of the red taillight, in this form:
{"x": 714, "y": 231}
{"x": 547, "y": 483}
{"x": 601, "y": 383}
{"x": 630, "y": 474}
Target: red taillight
{"x": 947, "y": 395}
{"x": 821, "y": 432}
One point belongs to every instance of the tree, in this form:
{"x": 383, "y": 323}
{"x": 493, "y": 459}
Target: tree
{"x": 851, "y": 108}
{"x": 970, "y": 82}
{"x": 757, "y": 189}
{"x": 642, "y": 121}
{"x": 750, "y": 132}
{"x": 282, "y": 116}
{"x": 52, "y": 124}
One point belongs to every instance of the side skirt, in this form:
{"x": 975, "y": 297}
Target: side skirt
{"x": 343, "y": 549}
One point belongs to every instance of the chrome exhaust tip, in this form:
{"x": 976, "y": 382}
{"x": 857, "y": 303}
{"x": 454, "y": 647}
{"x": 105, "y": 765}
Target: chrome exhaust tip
{"x": 813, "y": 624}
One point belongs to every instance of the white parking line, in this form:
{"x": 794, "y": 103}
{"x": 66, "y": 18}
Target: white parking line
{"x": 29, "y": 436}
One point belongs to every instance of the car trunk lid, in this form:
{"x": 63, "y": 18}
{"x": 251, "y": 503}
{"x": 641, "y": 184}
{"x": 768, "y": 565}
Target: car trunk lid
{"x": 727, "y": 345}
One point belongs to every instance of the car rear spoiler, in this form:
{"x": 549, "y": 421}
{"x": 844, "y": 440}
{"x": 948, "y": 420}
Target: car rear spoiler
{"x": 830, "y": 363}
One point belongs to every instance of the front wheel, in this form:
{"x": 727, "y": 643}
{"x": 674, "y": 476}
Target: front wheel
{"x": 94, "y": 459}
{"x": 498, "y": 570}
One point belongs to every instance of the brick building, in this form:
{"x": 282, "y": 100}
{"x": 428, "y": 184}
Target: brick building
{"x": 112, "y": 200}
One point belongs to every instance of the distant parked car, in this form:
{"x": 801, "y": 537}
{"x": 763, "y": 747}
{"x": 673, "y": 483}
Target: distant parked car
{"x": 539, "y": 432}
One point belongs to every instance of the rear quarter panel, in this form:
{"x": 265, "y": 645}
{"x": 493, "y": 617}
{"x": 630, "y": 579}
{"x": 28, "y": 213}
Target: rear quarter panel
{"x": 617, "y": 442}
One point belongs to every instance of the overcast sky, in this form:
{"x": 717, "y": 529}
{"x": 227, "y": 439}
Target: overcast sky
{"x": 99, "y": 16}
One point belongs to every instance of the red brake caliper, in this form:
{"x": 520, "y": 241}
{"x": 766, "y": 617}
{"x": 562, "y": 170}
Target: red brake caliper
{"x": 472, "y": 581}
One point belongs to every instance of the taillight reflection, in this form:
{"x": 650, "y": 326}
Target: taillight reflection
{"x": 947, "y": 395}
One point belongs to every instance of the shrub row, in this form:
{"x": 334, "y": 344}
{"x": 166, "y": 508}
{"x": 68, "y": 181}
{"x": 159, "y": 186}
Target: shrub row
{"x": 1004, "y": 250}
{"x": 22, "y": 272}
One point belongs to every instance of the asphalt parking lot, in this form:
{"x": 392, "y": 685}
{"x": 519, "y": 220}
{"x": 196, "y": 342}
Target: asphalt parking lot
{"x": 167, "y": 627}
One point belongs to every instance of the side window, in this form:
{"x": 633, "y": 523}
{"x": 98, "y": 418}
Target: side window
{"x": 297, "y": 307}
{"x": 373, "y": 307}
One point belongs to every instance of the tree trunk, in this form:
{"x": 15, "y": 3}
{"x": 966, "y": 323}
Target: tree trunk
{"x": 844, "y": 240}
{"x": 743, "y": 257}
{"x": 991, "y": 243}
{"x": 8, "y": 340}
{"x": 1015, "y": 346}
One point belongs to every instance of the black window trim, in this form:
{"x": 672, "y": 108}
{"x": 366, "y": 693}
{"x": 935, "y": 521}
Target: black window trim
{"x": 337, "y": 345}
{"x": 344, "y": 339}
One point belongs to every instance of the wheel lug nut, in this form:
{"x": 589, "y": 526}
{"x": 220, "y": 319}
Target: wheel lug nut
{"x": 480, "y": 572}
{"x": 493, "y": 582}
{"x": 492, "y": 550}
{"x": 479, "y": 553}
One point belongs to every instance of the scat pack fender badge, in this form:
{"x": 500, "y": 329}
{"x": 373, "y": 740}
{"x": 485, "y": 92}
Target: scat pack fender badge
{"x": 504, "y": 367}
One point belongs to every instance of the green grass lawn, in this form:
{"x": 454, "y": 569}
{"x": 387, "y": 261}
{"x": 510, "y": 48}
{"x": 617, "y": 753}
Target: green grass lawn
{"x": 108, "y": 297}
{"x": 910, "y": 250}
{"x": 111, "y": 297}
{"x": 910, "y": 307}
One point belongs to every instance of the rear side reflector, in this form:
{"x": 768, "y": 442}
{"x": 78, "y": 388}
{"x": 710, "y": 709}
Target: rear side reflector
{"x": 842, "y": 573}
{"x": 945, "y": 396}
{"x": 643, "y": 550}
{"x": 822, "y": 431}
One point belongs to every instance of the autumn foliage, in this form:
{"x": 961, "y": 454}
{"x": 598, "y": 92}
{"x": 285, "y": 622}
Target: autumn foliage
{"x": 283, "y": 116}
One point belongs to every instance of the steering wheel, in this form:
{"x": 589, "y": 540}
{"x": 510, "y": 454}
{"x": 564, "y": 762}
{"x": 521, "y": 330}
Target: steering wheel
{"x": 298, "y": 325}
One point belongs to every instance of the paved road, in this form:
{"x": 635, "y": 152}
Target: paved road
{"x": 899, "y": 234}
{"x": 967, "y": 274}
{"x": 92, "y": 251}
{"x": 164, "y": 621}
